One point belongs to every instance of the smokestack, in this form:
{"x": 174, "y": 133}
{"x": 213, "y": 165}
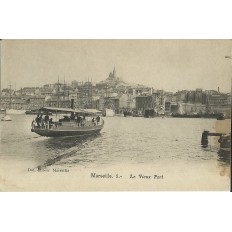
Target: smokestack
{"x": 218, "y": 89}
{"x": 72, "y": 103}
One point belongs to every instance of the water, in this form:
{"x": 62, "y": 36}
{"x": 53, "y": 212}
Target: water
{"x": 169, "y": 147}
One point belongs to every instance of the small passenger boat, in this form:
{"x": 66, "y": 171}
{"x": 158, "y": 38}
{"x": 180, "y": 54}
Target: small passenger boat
{"x": 73, "y": 122}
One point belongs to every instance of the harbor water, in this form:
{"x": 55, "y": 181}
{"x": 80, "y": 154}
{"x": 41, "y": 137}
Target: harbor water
{"x": 126, "y": 147}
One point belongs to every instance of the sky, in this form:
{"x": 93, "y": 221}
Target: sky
{"x": 170, "y": 65}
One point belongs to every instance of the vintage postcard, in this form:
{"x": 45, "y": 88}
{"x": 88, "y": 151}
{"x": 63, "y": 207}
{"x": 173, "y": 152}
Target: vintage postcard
{"x": 115, "y": 115}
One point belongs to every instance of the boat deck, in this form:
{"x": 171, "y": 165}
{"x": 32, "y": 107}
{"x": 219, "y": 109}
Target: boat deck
{"x": 68, "y": 129}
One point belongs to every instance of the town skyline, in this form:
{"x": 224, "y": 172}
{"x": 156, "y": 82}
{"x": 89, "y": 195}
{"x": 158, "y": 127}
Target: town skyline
{"x": 62, "y": 82}
{"x": 170, "y": 65}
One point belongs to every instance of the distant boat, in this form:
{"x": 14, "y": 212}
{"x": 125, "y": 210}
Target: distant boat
{"x": 127, "y": 113}
{"x": 15, "y": 111}
{"x": 6, "y": 118}
{"x": 149, "y": 113}
{"x": 138, "y": 115}
{"x": 221, "y": 117}
{"x": 72, "y": 124}
{"x": 186, "y": 115}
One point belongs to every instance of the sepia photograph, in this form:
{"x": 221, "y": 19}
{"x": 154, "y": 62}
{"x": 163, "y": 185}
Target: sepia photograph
{"x": 115, "y": 115}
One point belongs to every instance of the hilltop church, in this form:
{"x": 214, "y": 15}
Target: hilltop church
{"x": 112, "y": 76}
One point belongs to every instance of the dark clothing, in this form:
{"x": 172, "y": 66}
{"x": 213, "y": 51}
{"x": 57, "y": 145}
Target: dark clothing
{"x": 50, "y": 123}
{"x": 38, "y": 120}
{"x": 46, "y": 118}
{"x": 98, "y": 119}
{"x": 78, "y": 120}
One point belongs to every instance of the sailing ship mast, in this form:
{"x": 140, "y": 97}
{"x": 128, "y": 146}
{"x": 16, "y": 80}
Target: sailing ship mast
{"x": 58, "y": 90}
{"x": 0, "y": 77}
{"x": 10, "y": 96}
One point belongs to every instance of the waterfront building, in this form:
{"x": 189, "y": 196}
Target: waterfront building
{"x": 35, "y": 102}
{"x": 19, "y": 104}
{"x": 111, "y": 103}
{"x": 55, "y": 102}
{"x": 29, "y": 91}
{"x": 219, "y": 103}
{"x": 127, "y": 101}
{"x": 189, "y": 108}
{"x": 144, "y": 102}
{"x": 191, "y": 96}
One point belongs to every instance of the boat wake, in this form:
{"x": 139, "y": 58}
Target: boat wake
{"x": 75, "y": 147}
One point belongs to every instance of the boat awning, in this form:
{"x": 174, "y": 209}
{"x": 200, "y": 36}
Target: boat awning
{"x": 69, "y": 110}
{"x": 91, "y": 111}
{"x": 53, "y": 109}
{"x": 62, "y": 110}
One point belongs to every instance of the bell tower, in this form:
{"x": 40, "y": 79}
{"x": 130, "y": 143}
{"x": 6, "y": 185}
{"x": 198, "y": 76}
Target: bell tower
{"x": 114, "y": 73}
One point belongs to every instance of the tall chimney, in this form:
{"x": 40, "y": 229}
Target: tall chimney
{"x": 218, "y": 89}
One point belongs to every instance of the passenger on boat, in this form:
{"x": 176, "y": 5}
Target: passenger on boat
{"x": 78, "y": 120}
{"x": 42, "y": 123}
{"x": 83, "y": 121}
{"x": 46, "y": 121}
{"x": 93, "y": 121}
{"x": 98, "y": 119}
{"x": 38, "y": 120}
{"x": 72, "y": 116}
{"x": 51, "y": 123}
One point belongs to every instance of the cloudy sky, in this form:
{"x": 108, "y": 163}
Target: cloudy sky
{"x": 163, "y": 64}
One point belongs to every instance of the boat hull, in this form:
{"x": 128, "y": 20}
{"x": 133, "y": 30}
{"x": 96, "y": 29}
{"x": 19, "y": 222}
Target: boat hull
{"x": 59, "y": 133}
{"x": 6, "y": 118}
{"x": 187, "y": 116}
{"x": 14, "y": 111}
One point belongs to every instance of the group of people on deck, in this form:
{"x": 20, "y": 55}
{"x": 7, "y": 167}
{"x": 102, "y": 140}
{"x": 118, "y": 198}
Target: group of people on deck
{"x": 82, "y": 121}
{"x": 47, "y": 123}
{"x": 44, "y": 122}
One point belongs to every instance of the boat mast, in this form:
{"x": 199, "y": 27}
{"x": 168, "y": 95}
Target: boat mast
{"x": 91, "y": 93}
{"x": 0, "y": 76}
{"x": 10, "y": 95}
{"x": 64, "y": 88}
{"x": 58, "y": 90}
{"x": 88, "y": 94}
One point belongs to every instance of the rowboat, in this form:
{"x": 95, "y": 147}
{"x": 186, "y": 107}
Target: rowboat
{"x": 72, "y": 122}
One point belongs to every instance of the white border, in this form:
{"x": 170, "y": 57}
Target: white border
{"x": 111, "y": 19}
{"x": 115, "y": 211}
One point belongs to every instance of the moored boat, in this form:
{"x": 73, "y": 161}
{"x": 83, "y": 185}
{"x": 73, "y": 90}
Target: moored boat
{"x": 73, "y": 123}
{"x": 6, "y": 118}
{"x": 15, "y": 111}
{"x": 186, "y": 115}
